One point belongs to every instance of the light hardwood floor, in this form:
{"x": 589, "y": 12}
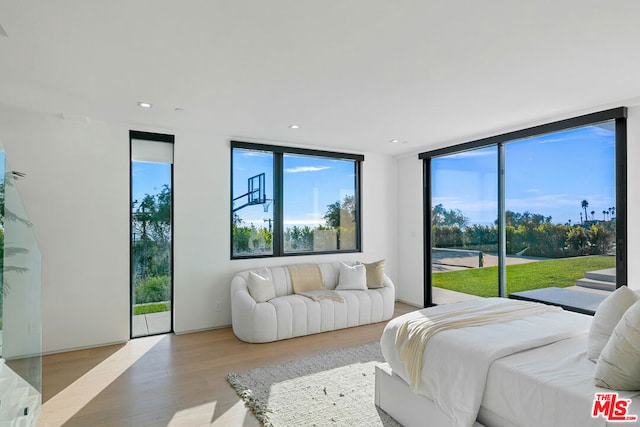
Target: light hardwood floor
{"x": 171, "y": 380}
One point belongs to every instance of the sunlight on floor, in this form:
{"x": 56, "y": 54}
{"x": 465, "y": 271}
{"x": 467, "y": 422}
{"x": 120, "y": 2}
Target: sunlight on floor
{"x": 61, "y": 407}
{"x": 203, "y": 415}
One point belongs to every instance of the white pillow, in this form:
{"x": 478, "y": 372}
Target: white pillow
{"x": 261, "y": 287}
{"x": 352, "y": 278}
{"x": 618, "y": 367}
{"x": 607, "y": 316}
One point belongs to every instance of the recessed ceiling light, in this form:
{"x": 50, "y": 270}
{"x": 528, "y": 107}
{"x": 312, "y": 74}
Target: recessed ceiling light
{"x": 178, "y": 109}
{"x": 143, "y": 104}
{"x": 294, "y": 126}
{"x": 394, "y": 141}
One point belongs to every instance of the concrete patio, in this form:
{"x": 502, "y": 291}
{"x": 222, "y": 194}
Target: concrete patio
{"x": 151, "y": 324}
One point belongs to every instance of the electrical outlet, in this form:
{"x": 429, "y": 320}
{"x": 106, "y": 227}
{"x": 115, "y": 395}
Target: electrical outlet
{"x": 218, "y": 305}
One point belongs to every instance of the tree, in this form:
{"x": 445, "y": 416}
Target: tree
{"x": 341, "y": 214}
{"x": 151, "y": 226}
{"x": 342, "y": 218}
{"x": 448, "y": 217}
{"x": 578, "y": 240}
{"x": 585, "y": 205}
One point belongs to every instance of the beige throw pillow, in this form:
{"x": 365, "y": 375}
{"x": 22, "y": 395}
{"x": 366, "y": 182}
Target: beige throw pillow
{"x": 606, "y": 318}
{"x": 352, "y": 278}
{"x": 261, "y": 288}
{"x": 375, "y": 274}
{"x": 618, "y": 367}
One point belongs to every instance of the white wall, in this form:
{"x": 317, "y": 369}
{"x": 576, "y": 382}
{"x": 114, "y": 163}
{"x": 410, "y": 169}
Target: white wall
{"x": 76, "y": 192}
{"x": 410, "y": 231}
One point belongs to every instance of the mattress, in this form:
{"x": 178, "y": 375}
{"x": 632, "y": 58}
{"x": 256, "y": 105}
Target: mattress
{"x": 549, "y": 386}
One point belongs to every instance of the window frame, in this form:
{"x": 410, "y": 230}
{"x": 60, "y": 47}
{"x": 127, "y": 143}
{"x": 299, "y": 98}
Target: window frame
{"x": 162, "y": 138}
{"x": 279, "y": 152}
{"x": 618, "y": 114}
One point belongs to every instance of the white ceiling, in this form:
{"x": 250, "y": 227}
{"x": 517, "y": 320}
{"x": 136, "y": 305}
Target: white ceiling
{"x": 354, "y": 74}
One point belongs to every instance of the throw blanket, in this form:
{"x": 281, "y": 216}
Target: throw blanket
{"x": 323, "y": 294}
{"x": 456, "y": 361}
{"x": 305, "y": 278}
{"x": 413, "y": 335}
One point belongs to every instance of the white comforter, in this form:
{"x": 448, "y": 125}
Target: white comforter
{"x": 456, "y": 362}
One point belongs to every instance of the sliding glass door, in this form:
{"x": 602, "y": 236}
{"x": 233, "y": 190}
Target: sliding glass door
{"x": 560, "y": 201}
{"x": 464, "y": 210}
{"x": 554, "y": 217}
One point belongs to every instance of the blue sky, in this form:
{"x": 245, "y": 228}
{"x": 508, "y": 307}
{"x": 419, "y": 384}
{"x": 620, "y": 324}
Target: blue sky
{"x": 310, "y": 185}
{"x": 548, "y": 175}
{"x": 148, "y": 178}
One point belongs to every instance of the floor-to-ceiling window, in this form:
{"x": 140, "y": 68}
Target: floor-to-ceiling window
{"x": 555, "y": 215}
{"x": 151, "y": 234}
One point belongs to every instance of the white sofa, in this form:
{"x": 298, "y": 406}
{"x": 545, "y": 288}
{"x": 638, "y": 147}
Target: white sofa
{"x": 290, "y": 315}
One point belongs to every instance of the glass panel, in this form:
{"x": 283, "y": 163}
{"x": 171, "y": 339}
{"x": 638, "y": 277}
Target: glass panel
{"x": 464, "y": 230}
{"x": 319, "y": 204}
{"x": 20, "y": 307}
{"x": 151, "y": 242}
{"x": 252, "y": 194}
{"x": 560, "y": 195}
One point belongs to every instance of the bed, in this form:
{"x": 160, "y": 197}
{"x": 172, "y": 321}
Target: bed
{"x": 529, "y": 370}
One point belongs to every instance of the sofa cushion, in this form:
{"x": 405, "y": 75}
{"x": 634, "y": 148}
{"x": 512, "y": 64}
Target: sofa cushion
{"x": 375, "y": 274}
{"x": 261, "y": 286}
{"x": 352, "y": 277}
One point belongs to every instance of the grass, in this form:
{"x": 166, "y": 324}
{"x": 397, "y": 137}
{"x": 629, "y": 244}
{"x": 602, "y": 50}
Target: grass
{"x": 154, "y": 307}
{"x": 522, "y": 277}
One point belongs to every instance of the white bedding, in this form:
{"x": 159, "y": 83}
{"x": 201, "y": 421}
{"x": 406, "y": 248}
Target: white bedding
{"x": 456, "y": 362}
{"x": 554, "y": 384}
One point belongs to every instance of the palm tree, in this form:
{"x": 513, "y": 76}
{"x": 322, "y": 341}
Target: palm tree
{"x": 593, "y": 215}
{"x": 604, "y": 215}
{"x": 613, "y": 211}
{"x": 585, "y": 205}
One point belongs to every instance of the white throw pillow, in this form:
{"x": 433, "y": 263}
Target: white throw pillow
{"x": 618, "y": 367}
{"x": 607, "y": 317}
{"x": 261, "y": 287}
{"x": 352, "y": 278}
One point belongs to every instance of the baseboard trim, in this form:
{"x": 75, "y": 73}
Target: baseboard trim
{"x": 193, "y": 331}
{"x": 88, "y": 347}
{"x": 409, "y": 303}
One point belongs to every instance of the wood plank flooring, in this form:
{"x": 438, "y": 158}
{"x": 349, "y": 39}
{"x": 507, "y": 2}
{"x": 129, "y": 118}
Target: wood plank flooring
{"x": 171, "y": 380}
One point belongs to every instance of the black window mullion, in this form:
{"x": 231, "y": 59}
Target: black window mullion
{"x": 278, "y": 204}
{"x": 621, "y": 202}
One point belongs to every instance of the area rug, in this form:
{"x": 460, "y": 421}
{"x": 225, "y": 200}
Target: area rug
{"x": 334, "y": 388}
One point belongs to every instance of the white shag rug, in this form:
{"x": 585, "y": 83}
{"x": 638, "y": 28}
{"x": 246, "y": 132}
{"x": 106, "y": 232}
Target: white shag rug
{"x": 335, "y": 388}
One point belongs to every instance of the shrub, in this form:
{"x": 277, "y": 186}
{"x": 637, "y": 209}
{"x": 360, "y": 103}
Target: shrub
{"x": 152, "y": 289}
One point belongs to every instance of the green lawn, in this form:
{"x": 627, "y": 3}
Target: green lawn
{"x": 522, "y": 277}
{"x": 151, "y": 308}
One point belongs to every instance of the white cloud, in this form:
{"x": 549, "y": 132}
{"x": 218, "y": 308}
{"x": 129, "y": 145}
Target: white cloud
{"x": 300, "y": 169}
